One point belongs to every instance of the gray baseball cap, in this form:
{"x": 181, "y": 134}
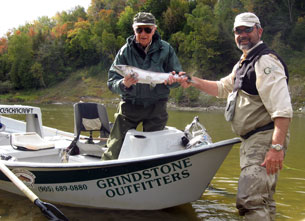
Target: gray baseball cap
{"x": 247, "y": 19}
{"x": 144, "y": 18}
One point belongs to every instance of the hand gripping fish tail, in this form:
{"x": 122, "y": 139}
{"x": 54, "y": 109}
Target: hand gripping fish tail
{"x": 145, "y": 76}
{"x": 189, "y": 78}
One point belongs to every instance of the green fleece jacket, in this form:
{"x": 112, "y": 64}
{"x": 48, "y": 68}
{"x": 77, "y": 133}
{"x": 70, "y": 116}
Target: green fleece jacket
{"x": 160, "y": 57}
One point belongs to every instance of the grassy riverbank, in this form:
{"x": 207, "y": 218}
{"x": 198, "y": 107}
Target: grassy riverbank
{"x": 81, "y": 87}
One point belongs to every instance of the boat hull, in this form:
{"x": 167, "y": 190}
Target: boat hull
{"x": 146, "y": 183}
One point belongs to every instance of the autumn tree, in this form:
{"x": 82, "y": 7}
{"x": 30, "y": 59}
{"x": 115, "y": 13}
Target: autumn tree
{"x": 80, "y": 48}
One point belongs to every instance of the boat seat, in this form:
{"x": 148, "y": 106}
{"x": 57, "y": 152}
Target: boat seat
{"x": 29, "y": 141}
{"x": 140, "y": 144}
{"x": 90, "y": 117}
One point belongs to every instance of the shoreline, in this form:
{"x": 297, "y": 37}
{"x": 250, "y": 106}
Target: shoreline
{"x": 114, "y": 102}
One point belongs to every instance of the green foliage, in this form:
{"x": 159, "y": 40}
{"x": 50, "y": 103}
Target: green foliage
{"x": 155, "y": 7}
{"x": 21, "y": 56}
{"x": 199, "y": 48}
{"x": 125, "y": 22}
{"x": 297, "y": 64}
{"x": 71, "y": 16}
{"x": 192, "y": 94}
{"x": 5, "y": 87}
{"x": 297, "y": 35}
{"x": 37, "y": 72}
{"x": 50, "y": 63}
{"x": 174, "y": 17}
{"x": 80, "y": 48}
{"x": 189, "y": 96}
{"x": 99, "y": 69}
{"x": 110, "y": 44}
{"x": 4, "y": 67}
{"x": 177, "y": 94}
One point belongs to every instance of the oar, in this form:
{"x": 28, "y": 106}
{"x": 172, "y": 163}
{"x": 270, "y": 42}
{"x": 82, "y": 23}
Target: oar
{"x": 49, "y": 210}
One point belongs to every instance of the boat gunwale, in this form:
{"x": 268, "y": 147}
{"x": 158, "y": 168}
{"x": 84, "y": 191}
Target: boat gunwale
{"x": 97, "y": 164}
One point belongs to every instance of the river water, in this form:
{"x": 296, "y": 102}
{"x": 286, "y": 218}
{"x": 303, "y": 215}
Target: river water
{"x": 218, "y": 201}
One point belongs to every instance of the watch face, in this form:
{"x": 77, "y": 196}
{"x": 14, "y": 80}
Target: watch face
{"x": 277, "y": 147}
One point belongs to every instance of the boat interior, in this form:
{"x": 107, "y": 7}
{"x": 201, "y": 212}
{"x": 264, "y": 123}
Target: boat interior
{"x": 31, "y": 142}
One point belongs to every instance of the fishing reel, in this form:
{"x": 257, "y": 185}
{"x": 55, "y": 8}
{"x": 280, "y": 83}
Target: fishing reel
{"x": 195, "y": 135}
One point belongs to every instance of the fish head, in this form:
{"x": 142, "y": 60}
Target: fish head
{"x": 125, "y": 70}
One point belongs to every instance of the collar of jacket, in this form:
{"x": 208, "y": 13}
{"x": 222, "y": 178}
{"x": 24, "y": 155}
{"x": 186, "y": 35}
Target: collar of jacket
{"x": 253, "y": 53}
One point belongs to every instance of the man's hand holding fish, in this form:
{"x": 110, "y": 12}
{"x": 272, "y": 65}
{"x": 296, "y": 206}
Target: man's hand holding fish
{"x": 184, "y": 79}
{"x": 129, "y": 80}
{"x": 175, "y": 78}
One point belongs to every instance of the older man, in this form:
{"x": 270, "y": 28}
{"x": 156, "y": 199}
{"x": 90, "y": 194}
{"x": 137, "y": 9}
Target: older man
{"x": 140, "y": 102}
{"x": 259, "y": 109}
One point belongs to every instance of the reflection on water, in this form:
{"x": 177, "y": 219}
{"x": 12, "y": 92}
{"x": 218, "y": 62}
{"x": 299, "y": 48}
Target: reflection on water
{"x": 217, "y": 203}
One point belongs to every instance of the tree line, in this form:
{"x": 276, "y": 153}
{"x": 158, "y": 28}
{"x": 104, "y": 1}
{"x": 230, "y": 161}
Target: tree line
{"x": 46, "y": 51}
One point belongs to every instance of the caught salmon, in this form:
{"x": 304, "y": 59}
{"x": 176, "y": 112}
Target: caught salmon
{"x": 144, "y": 76}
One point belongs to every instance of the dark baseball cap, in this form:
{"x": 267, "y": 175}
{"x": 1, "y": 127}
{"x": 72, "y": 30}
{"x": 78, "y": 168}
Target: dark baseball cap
{"x": 144, "y": 18}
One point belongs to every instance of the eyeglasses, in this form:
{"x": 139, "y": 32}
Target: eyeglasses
{"x": 247, "y": 30}
{"x": 147, "y": 30}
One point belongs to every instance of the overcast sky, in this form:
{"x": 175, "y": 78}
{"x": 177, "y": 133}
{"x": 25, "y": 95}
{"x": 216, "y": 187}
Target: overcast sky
{"x": 15, "y": 13}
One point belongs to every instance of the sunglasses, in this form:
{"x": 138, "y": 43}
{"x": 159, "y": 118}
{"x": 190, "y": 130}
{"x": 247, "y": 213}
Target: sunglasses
{"x": 247, "y": 30}
{"x": 147, "y": 30}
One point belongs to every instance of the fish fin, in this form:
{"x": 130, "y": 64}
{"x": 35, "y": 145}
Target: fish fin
{"x": 135, "y": 75}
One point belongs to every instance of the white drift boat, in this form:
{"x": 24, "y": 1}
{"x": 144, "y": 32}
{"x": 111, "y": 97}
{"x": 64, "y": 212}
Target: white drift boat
{"x": 155, "y": 170}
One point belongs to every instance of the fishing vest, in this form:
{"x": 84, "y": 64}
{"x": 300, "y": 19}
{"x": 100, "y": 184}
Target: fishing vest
{"x": 245, "y": 78}
{"x": 250, "y": 114}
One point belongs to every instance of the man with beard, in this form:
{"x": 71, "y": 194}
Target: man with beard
{"x": 259, "y": 109}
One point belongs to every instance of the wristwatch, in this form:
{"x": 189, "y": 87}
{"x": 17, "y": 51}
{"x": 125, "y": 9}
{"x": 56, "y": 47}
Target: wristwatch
{"x": 277, "y": 147}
